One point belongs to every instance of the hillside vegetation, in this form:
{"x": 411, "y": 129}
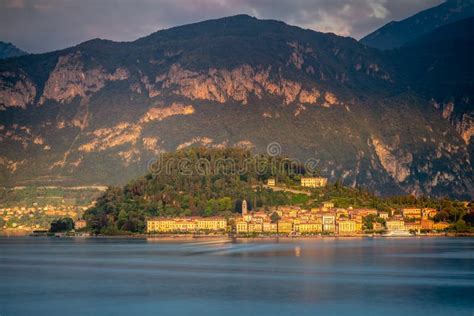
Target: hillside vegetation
{"x": 233, "y": 174}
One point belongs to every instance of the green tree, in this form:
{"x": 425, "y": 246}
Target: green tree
{"x": 62, "y": 225}
{"x": 441, "y": 216}
{"x": 275, "y": 218}
{"x": 462, "y": 227}
{"x": 225, "y": 204}
{"x": 122, "y": 218}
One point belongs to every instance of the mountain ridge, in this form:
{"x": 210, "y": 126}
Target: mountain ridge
{"x": 397, "y": 33}
{"x": 81, "y": 114}
{"x": 8, "y": 50}
{"x": 439, "y": 66}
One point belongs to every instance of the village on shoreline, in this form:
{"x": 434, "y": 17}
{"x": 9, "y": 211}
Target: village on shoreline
{"x": 326, "y": 220}
{"x": 293, "y": 221}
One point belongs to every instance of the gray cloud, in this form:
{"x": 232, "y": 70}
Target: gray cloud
{"x": 45, "y": 25}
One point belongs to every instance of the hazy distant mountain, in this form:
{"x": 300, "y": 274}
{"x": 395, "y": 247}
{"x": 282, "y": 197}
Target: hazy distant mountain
{"x": 97, "y": 112}
{"x": 8, "y": 50}
{"x": 440, "y": 66}
{"x": 396, "y": 34}
{"x": 440, "y": 63}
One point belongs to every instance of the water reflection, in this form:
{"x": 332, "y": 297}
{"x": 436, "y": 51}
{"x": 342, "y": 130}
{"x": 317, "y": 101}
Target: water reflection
{"x": 216, "y": 276}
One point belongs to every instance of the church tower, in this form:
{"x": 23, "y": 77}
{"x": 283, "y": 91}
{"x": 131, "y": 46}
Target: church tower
{"x": 244, "y": 207}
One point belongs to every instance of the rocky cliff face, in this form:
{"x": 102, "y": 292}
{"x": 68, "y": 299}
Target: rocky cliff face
{"x": 78, "y": 116}
{"x": 394, "y": 161}
{"x": 16, "y": 90}
{"x": 463, "y": 122}
{"x": 69, "y": 79}
{"x": 466, "y": 128}
{"x": 238, "y": 84}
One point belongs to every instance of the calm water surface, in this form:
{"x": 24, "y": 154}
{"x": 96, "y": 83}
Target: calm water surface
{"x": 426, "y": 276}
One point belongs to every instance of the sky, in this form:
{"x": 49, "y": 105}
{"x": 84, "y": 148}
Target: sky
{"x": 38, "y": 26}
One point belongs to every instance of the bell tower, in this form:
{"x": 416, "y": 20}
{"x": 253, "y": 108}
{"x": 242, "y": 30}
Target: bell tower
{"x": 244, "y": 208}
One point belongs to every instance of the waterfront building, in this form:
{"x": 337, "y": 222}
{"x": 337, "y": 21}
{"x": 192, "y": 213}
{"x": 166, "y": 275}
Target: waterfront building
{"x": 167, "y": 225}
{"x": 346, "y": 226}
{"x": 441, "y": 225}
{"x": 328, "y": 205}
{"x": 306, "y": 217}
{"x": 241, "y": 226}
{"x": 247, "y": 217}
{"x": 395, "y": 224}
{"x": 185, "y": 225}
{"x": 79, "y": 224}
{"x": 316, "y": 210}
{"x": 313, "y": 182}
{"x": 383, "y": 215}
{"x": 411, "y": 213}
{"x": 355, "y": 216}
{"x": 366, "y": 212}
{"x": 269, "y": 227}
{"x": 429, "y": 213}
{"x": 341, "y": 212}
{"x": 427, "y": 224}
{"x": 211, "y": 223}
{"x": 412, "y": 225}
{"x": 293, "y": 213}
{"x": 377, "y": 226}
{"x": 285, "y": 226}
{"x": 309, "y": 227}
{"x": 258, "y": 219}
{"x": 329, "y": 222}
{"x": 261, "y": 214}
{"x": 255, "y": 227}
{"x": 160, "y": 225}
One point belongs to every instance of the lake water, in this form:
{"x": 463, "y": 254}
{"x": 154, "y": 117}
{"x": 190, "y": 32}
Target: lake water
{"x": 325, "y": 276}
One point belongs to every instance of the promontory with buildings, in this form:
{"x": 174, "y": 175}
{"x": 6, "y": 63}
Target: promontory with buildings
{"x": 296, "y": 221}
{"x": 304, "y": 217}
{"x": 292, "y": 220}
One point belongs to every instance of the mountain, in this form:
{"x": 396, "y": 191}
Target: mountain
{"x": 8, "y": 50}
{"x": 396, "y": 34}
{"x": 440, "y": 66}
{"x": 98, "y": 112}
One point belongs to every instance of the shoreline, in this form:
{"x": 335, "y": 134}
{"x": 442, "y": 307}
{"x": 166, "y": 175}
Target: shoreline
{"x": 234, "y": 237}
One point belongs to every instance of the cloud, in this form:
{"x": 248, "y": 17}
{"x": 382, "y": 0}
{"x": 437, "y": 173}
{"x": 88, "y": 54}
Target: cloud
{"x": 378, "y": 9}
{"x": 45, "y": 25}
{"x": 15, "y": 4}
